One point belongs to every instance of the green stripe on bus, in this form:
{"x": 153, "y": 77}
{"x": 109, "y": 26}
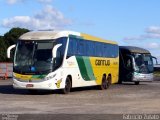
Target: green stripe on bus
{"x": 38, "y": 76}
{"x": 85, "y": 68}
{"x": 89, "y": 68}
{"x": 82, "y": 68}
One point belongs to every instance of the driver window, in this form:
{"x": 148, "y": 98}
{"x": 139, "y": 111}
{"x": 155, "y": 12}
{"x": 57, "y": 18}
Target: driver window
{"x": 59, "y": 58}
{"x": 128, "y": 62}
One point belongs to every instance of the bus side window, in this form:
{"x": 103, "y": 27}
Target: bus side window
{"x": 128, "y": 62}
{"x": 81, "y": 48}
{"x": 90, "y": 48}
{"x": 72, "y": 49}
{"x": 58, "y": 60}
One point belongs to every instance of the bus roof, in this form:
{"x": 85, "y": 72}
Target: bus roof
{"x": 134, "y": 49}
{"x": 48, "y": 35}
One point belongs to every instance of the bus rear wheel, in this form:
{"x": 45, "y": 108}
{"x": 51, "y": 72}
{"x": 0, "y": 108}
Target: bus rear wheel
{"x": 106, "y": 82}
{"x": 68, "y": 86}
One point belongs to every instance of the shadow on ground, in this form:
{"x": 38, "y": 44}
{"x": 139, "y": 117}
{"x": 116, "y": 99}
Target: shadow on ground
{"x": 8, "y": 89}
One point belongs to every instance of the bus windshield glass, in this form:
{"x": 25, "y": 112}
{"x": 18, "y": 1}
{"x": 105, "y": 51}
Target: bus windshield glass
{"x": 143, "y": 63}
{"x": 35, "y": 57}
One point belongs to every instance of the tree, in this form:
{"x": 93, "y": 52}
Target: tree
{"x": 3, "y": 48}
{"x": 12, "y": 36}
{"x": 8, "y": 39}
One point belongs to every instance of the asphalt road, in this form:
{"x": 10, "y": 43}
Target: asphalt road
{"x": 118, "y": 99}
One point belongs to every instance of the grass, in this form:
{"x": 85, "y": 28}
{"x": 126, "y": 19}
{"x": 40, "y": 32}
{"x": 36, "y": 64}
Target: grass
{"x": 157, "y": 73}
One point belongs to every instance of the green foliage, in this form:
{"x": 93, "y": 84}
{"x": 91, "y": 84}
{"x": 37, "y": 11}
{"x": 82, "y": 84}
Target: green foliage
{"x": 3, "y": 48}
{"x": 8, "y": 39}
{"x": 157, "y": 73}
{"x": 12, "y": 36}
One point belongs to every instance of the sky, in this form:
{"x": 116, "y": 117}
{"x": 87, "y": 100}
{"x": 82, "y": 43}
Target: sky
{"x": 129, "y": 22}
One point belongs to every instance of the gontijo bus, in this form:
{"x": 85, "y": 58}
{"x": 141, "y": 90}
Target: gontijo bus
{"x": 136, "y": 65}
{"x": 64, "y": 60}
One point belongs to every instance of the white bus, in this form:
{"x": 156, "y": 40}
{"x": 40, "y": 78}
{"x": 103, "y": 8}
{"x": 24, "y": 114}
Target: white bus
{"x": 63, "y": 60}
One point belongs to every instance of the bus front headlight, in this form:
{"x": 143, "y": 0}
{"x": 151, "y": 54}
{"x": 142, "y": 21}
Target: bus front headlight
{"x": 50, "y": 77}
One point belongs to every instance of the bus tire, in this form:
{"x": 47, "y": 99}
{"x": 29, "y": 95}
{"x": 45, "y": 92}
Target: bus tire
{"x": 68, "y": 86}
{"x": 105, "y": 83}
{"x": 109, "y": 79}
{"x": 137, "y": 83}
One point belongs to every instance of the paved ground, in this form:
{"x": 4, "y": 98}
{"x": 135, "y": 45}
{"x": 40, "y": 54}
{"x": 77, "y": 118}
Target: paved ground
{"x": 118, "y": 99}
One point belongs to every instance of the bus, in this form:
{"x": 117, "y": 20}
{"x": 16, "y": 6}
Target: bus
{"x": 136, "y": 65}
{"x": 63, "y": 60}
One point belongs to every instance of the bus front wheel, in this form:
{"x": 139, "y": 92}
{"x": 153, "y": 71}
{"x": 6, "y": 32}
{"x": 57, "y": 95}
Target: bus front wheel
{"x": 68, "y": 86}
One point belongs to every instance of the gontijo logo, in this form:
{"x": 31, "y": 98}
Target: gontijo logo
{"x": 102, "y": 62}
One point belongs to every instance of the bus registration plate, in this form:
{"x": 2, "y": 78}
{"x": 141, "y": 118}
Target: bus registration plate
{"x": 29, "y": 85}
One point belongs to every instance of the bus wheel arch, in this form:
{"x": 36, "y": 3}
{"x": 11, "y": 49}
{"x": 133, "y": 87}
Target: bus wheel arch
{"x": 68, "y": 85}
{"x": 104, "y": 75}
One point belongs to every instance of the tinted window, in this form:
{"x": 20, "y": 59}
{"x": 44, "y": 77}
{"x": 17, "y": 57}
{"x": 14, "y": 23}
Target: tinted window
{"x": 90, "y": 45}
{"x": 60, "y": 53}
{"x": 81, "y": 48}
{"x": 73, "y": 48}
{"x": 91, "y": 48}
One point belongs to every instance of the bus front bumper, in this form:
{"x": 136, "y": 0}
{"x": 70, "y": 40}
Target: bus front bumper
{"x": 45, "y": 85}
{"x": 143, "y": 77}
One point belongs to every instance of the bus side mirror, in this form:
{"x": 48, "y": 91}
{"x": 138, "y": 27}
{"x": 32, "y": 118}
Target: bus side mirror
{"x": 9, "y": 50}
{"x": 155, "y": 59}
{"x": 54, "y": 51}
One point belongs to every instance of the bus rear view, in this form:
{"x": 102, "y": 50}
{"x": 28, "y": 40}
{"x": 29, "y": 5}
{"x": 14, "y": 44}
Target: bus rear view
{"x": 136, "y": 65}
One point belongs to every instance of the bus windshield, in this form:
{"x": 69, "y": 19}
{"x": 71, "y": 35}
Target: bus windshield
{"x": 35, "y": 57}
{"x": 143, "y": 63}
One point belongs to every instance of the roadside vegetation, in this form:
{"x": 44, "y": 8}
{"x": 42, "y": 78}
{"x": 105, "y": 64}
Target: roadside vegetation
{"x": 157, "y": 73}
{"x": 8, "y": 39}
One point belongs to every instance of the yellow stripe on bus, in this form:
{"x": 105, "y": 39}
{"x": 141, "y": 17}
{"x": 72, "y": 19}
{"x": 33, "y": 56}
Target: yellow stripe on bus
{"x": 89, "y": 37}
